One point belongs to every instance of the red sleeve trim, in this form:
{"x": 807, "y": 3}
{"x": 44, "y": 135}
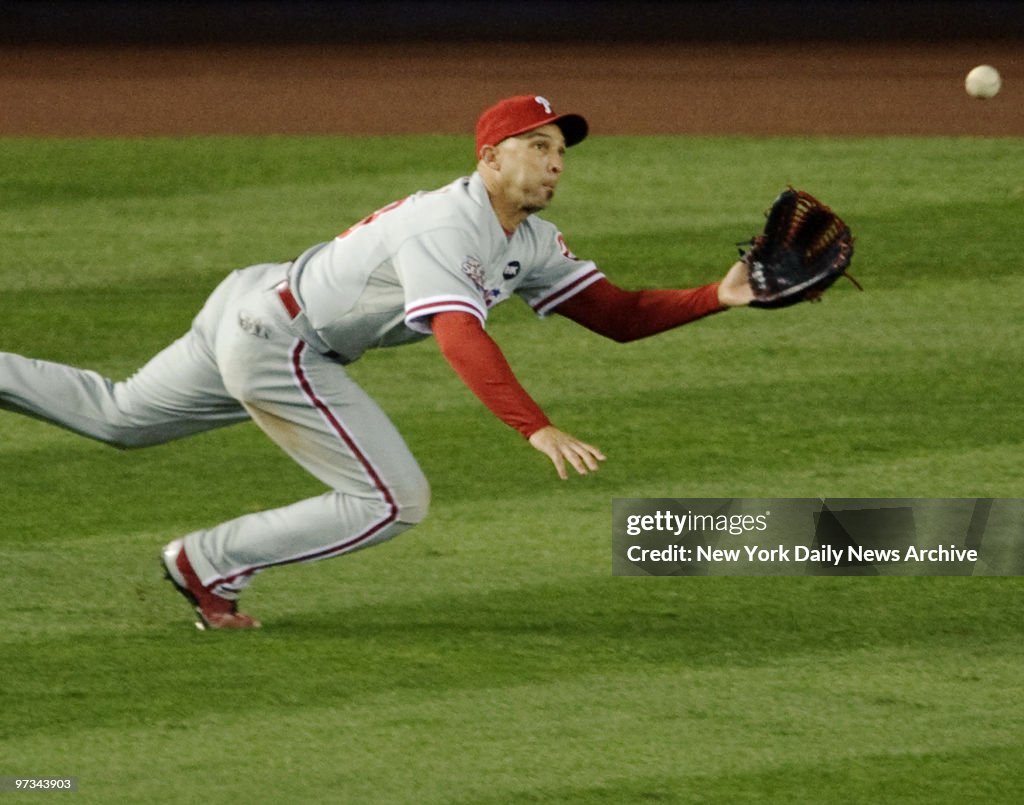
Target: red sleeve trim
{"x": 418, "y": 316}
{"x": 566, "y": 290}
{"x": 479, "y": 362}
{"x": 629, "y": 315}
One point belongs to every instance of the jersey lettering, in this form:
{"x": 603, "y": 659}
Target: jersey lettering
{"x": 373, "y": 216}
{"x": 566, "y": 251}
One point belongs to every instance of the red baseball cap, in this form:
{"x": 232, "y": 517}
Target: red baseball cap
{"x": 523, "y": 113}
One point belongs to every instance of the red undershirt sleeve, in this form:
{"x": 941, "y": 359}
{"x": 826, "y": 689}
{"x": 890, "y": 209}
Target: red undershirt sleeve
{"x": 602, "y": 307}
{"x": 624, "y": 315}
{"x": 478, "y": 360}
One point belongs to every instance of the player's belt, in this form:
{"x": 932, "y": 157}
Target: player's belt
{"x": 303, "y": 330}
{"x": 291, "y": 304}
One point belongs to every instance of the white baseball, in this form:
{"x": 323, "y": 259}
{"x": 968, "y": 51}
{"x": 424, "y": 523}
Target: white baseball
{"x": 983, "y": 81}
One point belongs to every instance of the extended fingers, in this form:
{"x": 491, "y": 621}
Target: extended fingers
{"x": 562, "y": 448}
{"x": 583, "y": 457}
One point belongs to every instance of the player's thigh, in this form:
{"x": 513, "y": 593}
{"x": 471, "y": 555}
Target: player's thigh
{"x": 182, "y": 385}
{"x": 322, "y": 418}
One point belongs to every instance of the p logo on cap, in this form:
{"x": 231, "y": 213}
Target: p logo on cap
{"x": 523, "y": 113}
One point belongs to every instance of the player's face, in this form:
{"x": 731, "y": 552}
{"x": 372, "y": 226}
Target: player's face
{"x": 530, "y": 166}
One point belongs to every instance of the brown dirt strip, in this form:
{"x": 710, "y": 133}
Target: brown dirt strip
{"x": 819, "y": 89}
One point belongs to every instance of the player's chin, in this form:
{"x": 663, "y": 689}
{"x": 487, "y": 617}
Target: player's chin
{"x": 540, "y": 200}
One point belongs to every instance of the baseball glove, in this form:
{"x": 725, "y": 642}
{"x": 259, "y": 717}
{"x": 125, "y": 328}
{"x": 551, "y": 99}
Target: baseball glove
{"x": 804, "y": 248}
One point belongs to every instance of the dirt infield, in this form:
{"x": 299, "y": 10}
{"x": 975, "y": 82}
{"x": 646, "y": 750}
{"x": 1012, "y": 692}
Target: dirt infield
{"x": 709, "y": 89}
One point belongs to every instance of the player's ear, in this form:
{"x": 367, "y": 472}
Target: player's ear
{"x": 489, "y": 156}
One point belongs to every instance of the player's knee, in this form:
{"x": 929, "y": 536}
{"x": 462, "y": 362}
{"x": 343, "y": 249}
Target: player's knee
{"x": 125, "y": 436}
{"x": 121, "y": 430}
{"x": 413, "y": 501}
{"x": 128, "y": 421}
{"x": 118, "y": 438}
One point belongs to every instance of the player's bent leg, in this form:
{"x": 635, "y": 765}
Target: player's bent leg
{"x": 227, "y": 557}
{"x": 307, "y": 404}
{"x": 314, "y": 411}
{"x": 243, "y": 547}
{"x": 379, "y": 493}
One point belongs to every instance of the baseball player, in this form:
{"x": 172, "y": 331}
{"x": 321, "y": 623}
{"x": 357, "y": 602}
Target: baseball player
{"x": 272, "y": 341}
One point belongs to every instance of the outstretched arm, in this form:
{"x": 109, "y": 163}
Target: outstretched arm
{"x": 630, "y": 315}
{"x": 478, "y": 360}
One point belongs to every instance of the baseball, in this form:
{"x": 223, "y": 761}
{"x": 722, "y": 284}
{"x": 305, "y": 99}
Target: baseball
{"x": 983, "y": 81}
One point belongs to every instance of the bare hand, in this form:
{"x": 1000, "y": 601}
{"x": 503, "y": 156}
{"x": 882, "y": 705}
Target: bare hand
{"x": 561, "y": 448}
{"x": 735, "y": 290}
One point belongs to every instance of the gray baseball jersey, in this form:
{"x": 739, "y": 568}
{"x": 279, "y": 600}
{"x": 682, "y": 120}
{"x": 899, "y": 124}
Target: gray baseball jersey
{"x": 271, "y": 342}
{"x": 379, "y": 283}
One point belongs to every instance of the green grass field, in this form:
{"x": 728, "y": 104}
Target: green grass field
{"x": 489, "y": 656}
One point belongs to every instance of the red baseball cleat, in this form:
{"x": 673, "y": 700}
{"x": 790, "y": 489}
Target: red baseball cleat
{"x": 214, "y": 611}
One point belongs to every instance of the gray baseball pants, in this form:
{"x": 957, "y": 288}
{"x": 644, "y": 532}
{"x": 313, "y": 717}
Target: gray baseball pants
{"x": 241, "y": 359}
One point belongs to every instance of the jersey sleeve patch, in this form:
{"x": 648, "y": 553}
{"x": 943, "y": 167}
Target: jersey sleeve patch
{"x": 571, "y": 285}
{"x": 419, "y": 312}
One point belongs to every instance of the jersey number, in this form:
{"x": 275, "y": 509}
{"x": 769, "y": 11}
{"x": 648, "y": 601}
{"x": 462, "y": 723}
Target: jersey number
{"x": 373, "y": 216}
